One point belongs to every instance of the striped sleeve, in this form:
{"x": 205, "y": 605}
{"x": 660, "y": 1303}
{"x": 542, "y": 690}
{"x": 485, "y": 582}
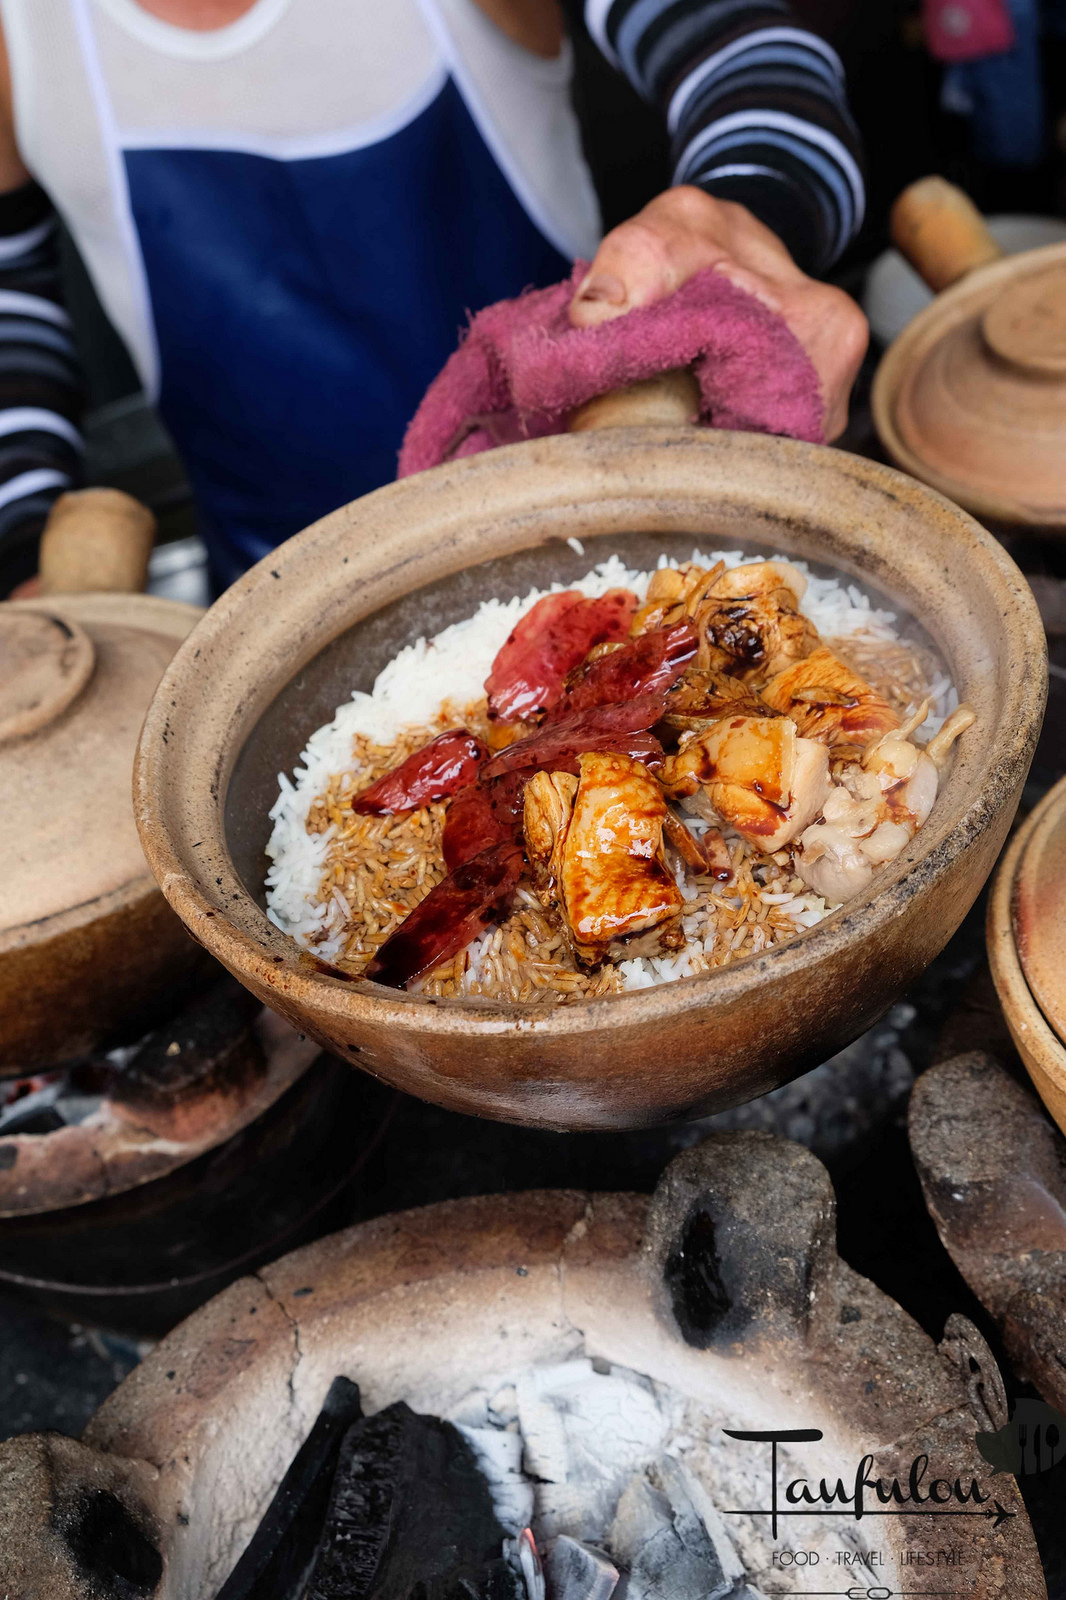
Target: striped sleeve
{"x": 756, "y": 109}
{"x": 40, "y": 382}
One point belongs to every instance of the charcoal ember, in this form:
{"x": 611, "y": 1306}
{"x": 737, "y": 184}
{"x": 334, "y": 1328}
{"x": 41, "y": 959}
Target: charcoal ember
{"x": 191, "y": 1076}
{"x": 275, "y": 1563}
{"x": 670, "y": 1539}
{"x": 576, "y": 1571}
{"x": 411, "y": 1515}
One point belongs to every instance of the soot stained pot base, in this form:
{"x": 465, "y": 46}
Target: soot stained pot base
{"x": 323, "y": 614}
{"x": 725, "y": 1287}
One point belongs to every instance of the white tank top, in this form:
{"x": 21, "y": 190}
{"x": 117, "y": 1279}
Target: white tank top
{"x": 292, "y": 79}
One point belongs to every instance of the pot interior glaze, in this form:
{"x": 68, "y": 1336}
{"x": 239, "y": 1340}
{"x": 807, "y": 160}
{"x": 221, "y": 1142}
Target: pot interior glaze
{"x": 322, "y": 615}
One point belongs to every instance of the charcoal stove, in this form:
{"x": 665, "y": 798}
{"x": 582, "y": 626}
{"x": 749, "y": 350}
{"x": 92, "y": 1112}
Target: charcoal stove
{"x": 722, "y": 1299}
{"x": 135, "y": 1181}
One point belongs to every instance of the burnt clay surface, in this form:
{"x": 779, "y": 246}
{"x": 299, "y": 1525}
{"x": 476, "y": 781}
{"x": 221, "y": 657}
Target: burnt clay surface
{"x": 993, "y": 1171}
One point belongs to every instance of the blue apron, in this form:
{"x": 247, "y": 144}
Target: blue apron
{"x": 302, "y": 308}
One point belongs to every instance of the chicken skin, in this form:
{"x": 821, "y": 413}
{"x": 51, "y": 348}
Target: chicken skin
{"x": 756, "y": 775}
{"x": 746, "y": 616}
{"x": 828, "y": 701}
{"x": 599, "y": 859}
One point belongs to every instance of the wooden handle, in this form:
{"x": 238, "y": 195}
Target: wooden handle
{"x": 941, "y": 232}
{"x": 671, "y": 400}
{"x": 96, "y": 539}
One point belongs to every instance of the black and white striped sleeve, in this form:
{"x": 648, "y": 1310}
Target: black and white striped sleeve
{"x": 40, "y": 382}
{"x": 756, "y": 108}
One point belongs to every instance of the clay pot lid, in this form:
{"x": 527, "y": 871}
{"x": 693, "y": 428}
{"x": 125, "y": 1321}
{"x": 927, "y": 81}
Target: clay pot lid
{"x": 1038, "y": 909}
{"x": 76, "y": 675}
{"x": 972, "y": 396}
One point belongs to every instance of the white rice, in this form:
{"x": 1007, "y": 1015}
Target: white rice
{"x": 408, "y": 692}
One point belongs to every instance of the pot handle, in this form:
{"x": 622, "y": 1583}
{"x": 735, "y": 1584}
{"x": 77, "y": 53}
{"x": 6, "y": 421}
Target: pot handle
{"x": 96, "y": 539}
{"x": 941, "y": 232}
{"x": 670, "y": 400}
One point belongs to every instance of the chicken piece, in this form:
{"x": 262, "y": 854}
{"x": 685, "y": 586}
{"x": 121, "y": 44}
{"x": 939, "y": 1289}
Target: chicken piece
{"x": 613, "y": 880}
{"x": 761, "y": 578}
{"x": 873, "y": 813}
{"x": 705, "y": 853}
{"x": 827, "y": 700}
{"x": 756, "y": 774}
{"x": 701, "y": 697}
{"x": 549, "y": 805}
{"x": 749, "y": 623}
{"x": 940, "y": 744}
{"x": 674, "y": 595}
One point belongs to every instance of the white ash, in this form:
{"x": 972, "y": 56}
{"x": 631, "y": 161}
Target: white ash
{"x": 575, "y": 1571}
{"x": 588, "y": 1435}
{"x": 585, "y": 1433}
{"x": 499, "y": 1455}
{"x": 671, "y": 1540}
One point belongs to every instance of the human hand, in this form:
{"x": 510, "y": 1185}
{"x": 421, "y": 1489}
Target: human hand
{"x": 684, "y": 230}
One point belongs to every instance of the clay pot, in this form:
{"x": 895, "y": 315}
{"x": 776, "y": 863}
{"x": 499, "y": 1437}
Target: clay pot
{"x": 87, "y": 941}
{"x": 1014, "y": 918}
{"x": 971, "y": 397}
{"x": 724, "y": 1288}
{"x": 321, "y": 616}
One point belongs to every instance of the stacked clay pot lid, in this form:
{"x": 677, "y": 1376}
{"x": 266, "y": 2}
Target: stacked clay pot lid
{"x": 971, "y": 397}
{"x": 85, "y": 935}
{"x": 76, "y": 675}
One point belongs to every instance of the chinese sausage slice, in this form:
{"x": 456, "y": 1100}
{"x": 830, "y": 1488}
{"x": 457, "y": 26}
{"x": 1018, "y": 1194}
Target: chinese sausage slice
{"x": 552, "y": 639}
{"x": 595, "y": 845}
{"x": 441, "y": 768}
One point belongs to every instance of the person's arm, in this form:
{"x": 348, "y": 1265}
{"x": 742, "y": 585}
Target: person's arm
{"x": 768, "y": 182}
{"x": 756, "y": 108}
{"x": 40, "y": 381}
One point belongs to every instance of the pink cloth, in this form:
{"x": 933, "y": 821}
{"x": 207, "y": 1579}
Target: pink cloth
{"x": 521, "y": 368}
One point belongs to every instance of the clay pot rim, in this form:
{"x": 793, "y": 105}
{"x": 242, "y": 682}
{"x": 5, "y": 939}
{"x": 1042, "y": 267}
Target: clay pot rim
{"x": 1035, "y": 1038}
{"x": 949, "y": 308}
{"x": 203, "y": 902}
